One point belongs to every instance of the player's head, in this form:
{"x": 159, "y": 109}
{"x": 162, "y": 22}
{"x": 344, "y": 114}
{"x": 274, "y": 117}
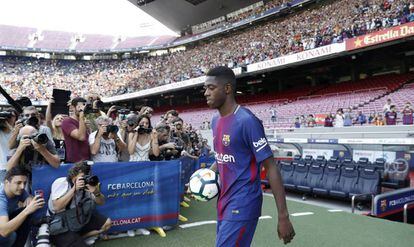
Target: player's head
{"x": 219, "y": 86}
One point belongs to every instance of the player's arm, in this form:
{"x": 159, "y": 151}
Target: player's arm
{"x": 285, "y": 229}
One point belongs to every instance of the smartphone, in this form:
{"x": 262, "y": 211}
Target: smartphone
{"x": 39, "y": 193}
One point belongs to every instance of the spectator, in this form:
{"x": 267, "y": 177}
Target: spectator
{"x": 297, "y": 123}
{"x": 66, "y": 194}
{"x": 329, "y": 120}
{"x": 178, "y": 133}
{"x": 31, "y": 116}
{"x": 15, "y": 222}
{"x": 339, "y": 118}
{"x": 170, "y": 116}
{"x": 387, "y": 106}
{"x": 75, "y": 133}
{"x": 407, "y": 113}
{"x": 361, "y": 118}
{"x": 311, "y": 121}
{"x": 33, "y": 149}
{"x": 379, "y": 121}
{"x": 168, "y": 149}
{"x": 348, "y": 117}
{"x": 391, "y": 116}
{"x": 6, "y": 125}
{"x": 143, "y": 142}
{"x": 371, "y": 118}
{"x": 55, "y": 125}
{"x": 273, "y": 115}
{"x": 127, "y": 126}
{"x": 106, "y": 142}
{"x": 205, "y": 149}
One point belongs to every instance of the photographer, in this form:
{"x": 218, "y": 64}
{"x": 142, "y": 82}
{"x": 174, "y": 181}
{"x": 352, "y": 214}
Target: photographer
{"x": 69, "y": 195}
{"x": 178, "y": 132}
{"x": 7, "y": 120}
{"x": 143, "y": 142}
{"x": 127, "y": 126}
{"x": 106, "y": 142}
{"x": 170, "y": 148}
{"x": 14, "y": 221}
{"x": 33, "y": 148}
{"x": 93, "y": 111}
{"x": 75, "y": 133}
{"x": 30, "y": 116}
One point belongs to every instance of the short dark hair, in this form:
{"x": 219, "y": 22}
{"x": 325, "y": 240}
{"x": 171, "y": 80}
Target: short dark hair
{"x": 15, "y": 171}
{"x": 178, "y": 119}
{"x": 77, "y": 168}
{"x": 172, "y": 112}
{"x": 223, "y": 74}
{"x": 75, "y": 101}
{"x": 162, "y": 127}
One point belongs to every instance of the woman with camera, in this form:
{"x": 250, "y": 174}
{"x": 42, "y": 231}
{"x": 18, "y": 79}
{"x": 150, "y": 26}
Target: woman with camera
{"x": 143, "y": 141}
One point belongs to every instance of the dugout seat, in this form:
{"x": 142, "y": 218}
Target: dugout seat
{"x": 380, "y": 165}
{"x": 320, "y": 160}
{"x": 347, "y": 182}
{"x": 313, "y": 179}
{"x": 347, "y": 161}
{"x": 297, "y": 157}
{"x": 330, "y": 178}
{"x": 368, "y": 183}
{"x": 286, "y": 170}
{"x": 300, "y": 175}
{"x": 364, "y": 163}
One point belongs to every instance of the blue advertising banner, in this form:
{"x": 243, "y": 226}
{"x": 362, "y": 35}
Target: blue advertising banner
{"x": 392, "y": 202}
{"x": 205, "y": 162}
{"x": 138, "y": 194}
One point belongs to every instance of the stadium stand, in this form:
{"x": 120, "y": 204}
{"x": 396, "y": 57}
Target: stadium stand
{"x": 15, "y": 36}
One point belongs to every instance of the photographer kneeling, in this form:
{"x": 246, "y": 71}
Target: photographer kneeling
{"x": 14, "y": 221}
{"x": 72, "y": 206}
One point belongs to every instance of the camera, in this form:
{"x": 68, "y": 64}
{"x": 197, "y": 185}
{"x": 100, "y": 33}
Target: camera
{"x": 142, "y": 130}
{"x": 39, "y": 138}
{"x": 31, "y": 121}
{"x": 112, "y": 129}
{"x": 4, "y": 115}
{"x": 89, "y": 109}
{"x": 92, "y": 180}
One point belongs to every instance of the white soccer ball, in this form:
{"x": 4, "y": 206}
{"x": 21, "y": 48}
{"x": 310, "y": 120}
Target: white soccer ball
{"x": 204, "y": 184}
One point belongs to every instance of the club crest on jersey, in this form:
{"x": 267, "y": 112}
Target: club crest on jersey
{"x": 226, "y": 140}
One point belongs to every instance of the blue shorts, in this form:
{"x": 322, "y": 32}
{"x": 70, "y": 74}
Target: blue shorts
{"x": 235, "y": 233}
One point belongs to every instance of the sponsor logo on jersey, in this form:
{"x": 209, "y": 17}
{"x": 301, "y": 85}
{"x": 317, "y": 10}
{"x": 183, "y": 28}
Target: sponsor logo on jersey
{"x": 226, "y": 140}
{"x": 259, "y": 145}
{"x": 225, "y": 158}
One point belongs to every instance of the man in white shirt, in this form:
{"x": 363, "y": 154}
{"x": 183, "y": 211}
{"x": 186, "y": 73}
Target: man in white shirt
{"x": 65, "y": 193}
{"x": 106, "y": 142}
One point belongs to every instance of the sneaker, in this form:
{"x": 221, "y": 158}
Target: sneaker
{"x": 142, "y": 231}
{"x": 131, "y": 233}
{"x": 91, "y": 240}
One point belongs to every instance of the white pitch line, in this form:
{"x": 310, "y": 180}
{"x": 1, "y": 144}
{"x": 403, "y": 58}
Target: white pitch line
{"x": 209, "y": 222}
{"x": 302, "y": 214}
{"x": 200, "y": 223}
{"x": 265, "y": 217}
{"x": 335, "y": 210}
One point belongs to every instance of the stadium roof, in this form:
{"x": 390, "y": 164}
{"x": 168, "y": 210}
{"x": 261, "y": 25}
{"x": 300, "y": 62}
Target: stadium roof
{"x": 178, "y": 14}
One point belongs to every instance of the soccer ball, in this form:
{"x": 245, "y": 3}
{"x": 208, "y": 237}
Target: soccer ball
{"x": 204, "y": 184}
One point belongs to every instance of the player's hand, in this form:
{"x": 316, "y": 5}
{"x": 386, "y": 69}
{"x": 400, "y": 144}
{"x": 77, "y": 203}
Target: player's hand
{"x": 285, "y": 230}
{"x": 35, "y": 204}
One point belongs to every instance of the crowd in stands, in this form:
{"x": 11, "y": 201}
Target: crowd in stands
{"x": 85, "y": 134}
{"x": 329, "y": 22}
{"x": 389, "y": 116}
